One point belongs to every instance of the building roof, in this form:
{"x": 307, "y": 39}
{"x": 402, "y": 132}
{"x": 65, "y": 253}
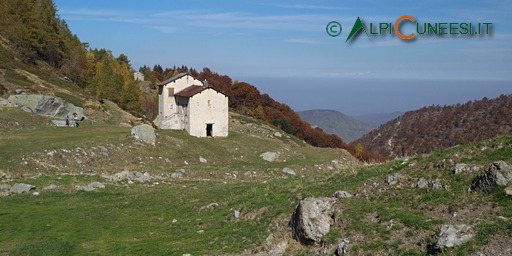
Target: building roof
{"x": 176, "y": 77}
{"x": 193, "y": 90}
{"x": 190, "y": 91}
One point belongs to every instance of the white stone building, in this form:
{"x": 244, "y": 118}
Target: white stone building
{"x": 138, "y": 76}
{"x": 187, "y": 103}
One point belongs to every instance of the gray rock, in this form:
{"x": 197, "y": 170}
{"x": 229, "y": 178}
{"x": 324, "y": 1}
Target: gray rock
{"x": 278, "y": 134}
{"x": 394, "y": 179}
{"x": 102, "y": 148}
{"x": 18, "y": 91}
{"x": 202, "y": 160}
{"x": 177, "y": 175}
{"x": 289, "y": 171}
{"x": 459, "y": 168}
{"x": 21, "y": 187}
{"x": 248, "y": 173}
{"x": 145, "y": 133}
{"x": 96, "y": 184}
{"x": 26, "y": 109}
{"x": 422, "y": 183}
{"x": 337, "y": 164}
{"x": 91, "y": 186}
{"x": 127, "y": 175}
{"x": 59, "y": 123}
{"x": 4, "y": 102}
{"x": 435, "y": 184}
{"x": 209, "y": 207}
{"x": 5, "y": 187}
{"x": 48, "y": 106}
{"x": 342, "y": 194}
{"x": 453, "y": 235}
{"x": 508, "y": 190}
{"x": 236, "y": 214}
{"x": 498, "y": 174}
{"x": 51, "y": 187}
{"x": 270, "y": 156}
{"x": 343, "y": 247}
{"x": 312, "y": 219}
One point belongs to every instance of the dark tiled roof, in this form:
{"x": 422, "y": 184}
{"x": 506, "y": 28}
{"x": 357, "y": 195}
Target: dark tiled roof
{"x": 190, "y": 91}
{"x": 176, "y": 77}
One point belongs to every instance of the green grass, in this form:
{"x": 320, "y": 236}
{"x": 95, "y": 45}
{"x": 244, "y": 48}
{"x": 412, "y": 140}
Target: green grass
{"x": 71, "y": 99}
{"x": 137, "y": 219}
{"x": 16, "y": 78}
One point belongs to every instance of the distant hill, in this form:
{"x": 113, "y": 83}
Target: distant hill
{"x": 375, "y": 120}
{"x": 439, "y": 127}
{"x": 335, "y": 122}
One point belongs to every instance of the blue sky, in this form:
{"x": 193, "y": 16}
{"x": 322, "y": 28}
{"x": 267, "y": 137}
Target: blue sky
{"x": 259, "y": 40}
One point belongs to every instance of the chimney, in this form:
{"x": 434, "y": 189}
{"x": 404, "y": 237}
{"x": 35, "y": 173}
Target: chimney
{"x": 205, "y": 84}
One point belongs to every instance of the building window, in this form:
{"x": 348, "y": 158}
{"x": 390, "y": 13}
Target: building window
{"x": 171, "y": 106}
{"x": 171, "y": 91}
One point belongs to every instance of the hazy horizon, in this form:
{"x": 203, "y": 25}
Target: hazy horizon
{"x": 362, "y": 96}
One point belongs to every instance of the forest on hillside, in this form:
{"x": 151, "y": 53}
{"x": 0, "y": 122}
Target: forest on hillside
{"x": 438, "y": 127}
{"x": 37, "y": 35}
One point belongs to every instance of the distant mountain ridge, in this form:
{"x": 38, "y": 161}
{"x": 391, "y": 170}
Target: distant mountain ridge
{"x": 375, "y": 120}
{"x": 438, "y": 127}
{"x": 335, "y": 122}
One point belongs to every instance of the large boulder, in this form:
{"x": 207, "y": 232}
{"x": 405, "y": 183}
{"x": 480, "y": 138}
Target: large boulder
{"x": 453, "y": 235}
{"x": 21, "y": 187}
{"x": 145, "y": 133}
{"x": 498, "y": 174}
{"x": 48, "y": 106}
{"x": 312, "y": 219}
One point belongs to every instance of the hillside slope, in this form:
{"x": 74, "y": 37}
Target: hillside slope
{"x": 217, "y": 196}
{"x": 438, "y": 127}
{"x": 335, "y": 122}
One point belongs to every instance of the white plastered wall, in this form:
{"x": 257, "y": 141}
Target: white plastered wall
{"x": 208, "y": 107}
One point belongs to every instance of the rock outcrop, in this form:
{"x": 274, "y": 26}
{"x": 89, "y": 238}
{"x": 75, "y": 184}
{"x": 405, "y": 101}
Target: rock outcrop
{"x": 145, "y": 133}
{"x": 127, "y": 175}
{"x": 459, "y": 168}
{"x": 21, "y": 187}
{"x": 498, "y": 174}
{"x": 312, "y": 219}
{"x": 91, "y": 186}
{"x": 48, "y": 106}
{"x": 453, "y": 235}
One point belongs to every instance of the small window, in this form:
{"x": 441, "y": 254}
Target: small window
{"x": 171, "y": 106}
{"x": 171, "y": 91}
